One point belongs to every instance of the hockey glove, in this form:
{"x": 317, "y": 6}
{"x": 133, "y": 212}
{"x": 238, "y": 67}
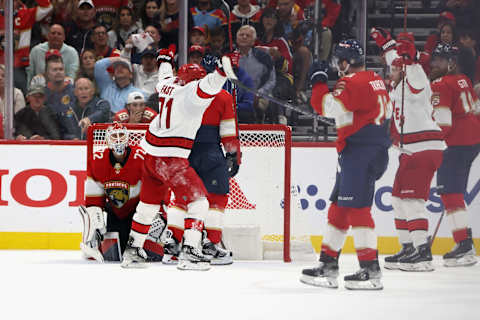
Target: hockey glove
{"x": 318, "y": 72}
{"x": 167, "y": 55}
{"x": 233, "y": 163}
{"x": 407, "y": 50}
{"x": 234, "y": 59}
{"x": 382, "y": 38}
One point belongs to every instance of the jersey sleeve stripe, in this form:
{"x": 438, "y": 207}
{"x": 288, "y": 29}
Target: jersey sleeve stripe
{"x": 228, "y": 128}
{"x": 178, "y": 142}
{"x": 443, "y": 116}
{"x": 93, "y": 188}
{"x": 202, "y": 94}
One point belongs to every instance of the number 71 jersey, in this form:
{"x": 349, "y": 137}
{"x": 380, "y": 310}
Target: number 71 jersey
{"x": 172, "y": 132}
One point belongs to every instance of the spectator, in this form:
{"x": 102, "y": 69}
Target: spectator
{"x": 158, "y": 43}
{"x": 41, "y": 79}
{"x": 290, "y": 15}
{"x": 150, "y": 13}
{"x": 465, "y": 11}
{"x": 24, "y": 21}
{"x": 123, "y": 27}
{"x": 36, "y": 121}
{"x": 145, "y": 75}
{"x": 272, "y": 36}
{"x": 135, "y": 110}
{"x": 244, "y": 13}
{"x": 62, "y": 11}
{"x": 468, "y": 41}
{"x": 106, "y": 10}
{"x": 169, "y": 20}
{"x": 59, "y": 91}
{"x": 204, "y": 14}
{"x": 301, "y": 61}
{"x": 115, "y": 89}
{"x": 56, "y": 38}
{"x": 218, "y": 45}
{"x": 79, "y": 29}
{"x": 100, "y": 43}
{"x": 196, "y": 53}
{"x": 198, "y": 36}
{"x": 434, "y": 38}
{"x": 258, "y": 65}
{"x": 87, "y": 109}
{"x": 18, "y": 99}
{"x": 87, "y": 65}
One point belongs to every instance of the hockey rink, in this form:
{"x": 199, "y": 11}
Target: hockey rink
{"x": 60, "y": 285}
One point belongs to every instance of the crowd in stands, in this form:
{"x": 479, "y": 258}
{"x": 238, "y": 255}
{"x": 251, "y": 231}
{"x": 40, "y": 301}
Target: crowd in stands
{"x": 79, "y": 62}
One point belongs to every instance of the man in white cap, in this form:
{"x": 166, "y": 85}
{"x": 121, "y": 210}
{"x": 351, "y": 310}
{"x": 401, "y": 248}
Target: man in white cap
{"x": 115, "y": 89}
{"x": 135, "y": 111}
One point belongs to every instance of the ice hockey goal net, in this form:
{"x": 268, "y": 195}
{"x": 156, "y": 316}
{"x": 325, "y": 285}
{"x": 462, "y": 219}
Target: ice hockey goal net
{"x": 260, "y": 194}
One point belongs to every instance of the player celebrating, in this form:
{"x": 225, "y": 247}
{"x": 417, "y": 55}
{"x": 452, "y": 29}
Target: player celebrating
{"x": 168, "y": 142}
{"x": 422, "y": 144}
{"x": 455, "y": 103}
{"x": 135, "y": 111}
{"x": 113, "y": 185}
{"x": 359, "y": 104}
{"x": 207, "y": 158}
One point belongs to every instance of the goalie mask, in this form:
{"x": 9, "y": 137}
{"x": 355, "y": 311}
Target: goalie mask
{"x": 117, "y": 138}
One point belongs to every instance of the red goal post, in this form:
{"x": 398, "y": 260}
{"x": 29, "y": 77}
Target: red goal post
{"x": 261, "y": 192}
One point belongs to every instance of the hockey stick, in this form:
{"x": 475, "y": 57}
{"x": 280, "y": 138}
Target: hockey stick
{"x": 229, "y": 25}
{"x": 404, "y": 71}
{"x": 436, "y": 228}
{"x": 284, "y": 104}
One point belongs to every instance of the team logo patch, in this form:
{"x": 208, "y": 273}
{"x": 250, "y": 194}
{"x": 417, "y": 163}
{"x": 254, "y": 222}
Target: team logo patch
{"x": 65, "y": 99}
{"x": 117, "y": 192}
{"x": 435, "y": 99}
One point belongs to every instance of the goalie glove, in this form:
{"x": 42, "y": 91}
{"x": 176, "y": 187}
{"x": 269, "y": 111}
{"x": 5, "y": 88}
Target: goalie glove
{"x": 383, "y": 39}
{"x": 233, "y": 163}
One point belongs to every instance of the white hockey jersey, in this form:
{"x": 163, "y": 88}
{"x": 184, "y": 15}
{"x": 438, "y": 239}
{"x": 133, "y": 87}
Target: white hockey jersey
{"x": 172, "y": 132}
{"x": 420, "y": 131}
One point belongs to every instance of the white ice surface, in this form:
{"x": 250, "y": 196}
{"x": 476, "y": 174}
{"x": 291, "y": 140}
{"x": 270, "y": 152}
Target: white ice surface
{"x": 60, "y": 285}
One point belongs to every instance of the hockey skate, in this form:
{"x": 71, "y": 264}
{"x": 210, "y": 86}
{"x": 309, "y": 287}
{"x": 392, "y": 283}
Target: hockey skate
{"x": 171, "y": 249}
{"x": 325, "y": 275}
{"x": 419, "y": 260}
{"x": 462, "y": 255}
{"x": 134, "y": 257}
{"x": 367, "y": 278}
{"x": 192, "y": 258}
{"x": 217, "y": 255}
{"x": 391, "y": 262}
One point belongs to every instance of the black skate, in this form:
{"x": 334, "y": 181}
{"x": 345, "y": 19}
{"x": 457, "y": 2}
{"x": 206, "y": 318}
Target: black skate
{"x": 171, "y": 249}
{"x": 462, "y": 255}
{"x": 391, "y": 262}
{"x": 325, "y": 275}
{"x": 367, "y": 278}
{"x": 134, "y": 257}
{"x": 419, "y": 260}
{"x": 192, "y": 258}
{"x": 216, "y": 254}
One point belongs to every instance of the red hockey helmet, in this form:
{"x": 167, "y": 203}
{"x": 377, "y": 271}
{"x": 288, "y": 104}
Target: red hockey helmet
{"x": 190, "y": 72}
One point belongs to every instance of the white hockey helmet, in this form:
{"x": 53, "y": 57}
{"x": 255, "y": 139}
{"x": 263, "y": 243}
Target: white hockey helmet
{"x": 117, "y": 138}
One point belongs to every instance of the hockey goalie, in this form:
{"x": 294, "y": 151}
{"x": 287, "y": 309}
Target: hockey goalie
{"x": 112, "y": 189}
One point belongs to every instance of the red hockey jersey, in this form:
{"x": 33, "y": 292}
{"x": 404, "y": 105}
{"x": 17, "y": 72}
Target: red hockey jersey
{"x": 123, "y": 116}
{"x": 455, "y": 102}
{"x": 113, "y": 183}
{"x": 23, "y": 20}
{"x": 107, "y": 10}
{"x": 219, "y": 123}
{"x": 359, "y": 99}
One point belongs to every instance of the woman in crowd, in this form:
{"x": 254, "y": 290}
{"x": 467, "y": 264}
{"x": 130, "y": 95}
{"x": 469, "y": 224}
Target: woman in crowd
{"x": 123, "y": 27}
{"x": 87, "y": 65}
{"x": 150, "y": 13}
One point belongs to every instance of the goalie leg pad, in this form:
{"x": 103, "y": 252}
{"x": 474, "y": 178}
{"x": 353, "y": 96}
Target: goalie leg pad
{"x": 110, "y": 247}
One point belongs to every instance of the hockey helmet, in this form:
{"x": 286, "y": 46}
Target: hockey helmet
{"x": 446, "y": 51}
{"x": 349, "y": 50}
{"x": 190, "y": 72}
{"x": 117, "y": 138}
